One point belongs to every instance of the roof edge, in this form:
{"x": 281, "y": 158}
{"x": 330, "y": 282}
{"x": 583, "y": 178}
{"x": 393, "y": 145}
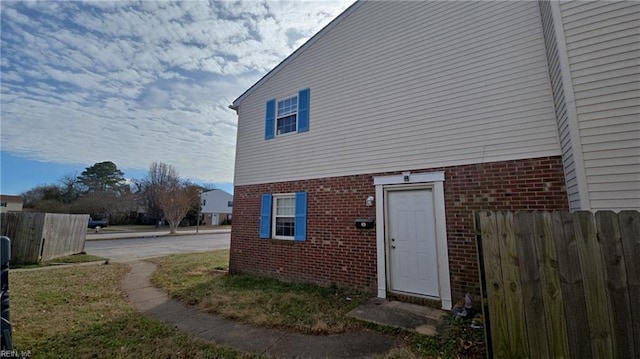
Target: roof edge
{"x": 236, "y": 103}
{"x": 11, "y": 198}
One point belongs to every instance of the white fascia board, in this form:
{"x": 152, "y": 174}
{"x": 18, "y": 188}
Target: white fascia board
{"x": 413, "y": 178}
{"x": 236, "y": 103}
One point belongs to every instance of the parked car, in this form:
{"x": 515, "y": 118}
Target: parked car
{"x": 93, "y": 223}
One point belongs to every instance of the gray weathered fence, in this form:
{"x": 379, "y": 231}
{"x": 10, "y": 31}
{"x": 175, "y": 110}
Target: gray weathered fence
{"x": 43, "y": 236}
{"x": 561, "y": 285}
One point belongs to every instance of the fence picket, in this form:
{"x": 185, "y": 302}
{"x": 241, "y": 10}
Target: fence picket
{"x": 594, "y": 285}
{"x": 572, "y": 286}
{"x": 513, "y": 289}
{"x": 495, "y": 289}
{"x": 531, "y": 287}
{"x": 550, "y": 280}
{"x": 629, "y": 222}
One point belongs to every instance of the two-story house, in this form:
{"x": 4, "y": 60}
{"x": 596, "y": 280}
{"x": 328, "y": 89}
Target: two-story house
{"x": 361, "y": 157}
{"x": 217, "y": 206}
{"x": 9, "y": 203}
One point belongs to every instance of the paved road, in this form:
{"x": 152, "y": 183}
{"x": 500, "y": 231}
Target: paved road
{"x": 126, "y": 250}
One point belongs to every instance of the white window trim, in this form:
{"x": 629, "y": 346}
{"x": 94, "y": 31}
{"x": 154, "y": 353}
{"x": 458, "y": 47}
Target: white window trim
{"x": 434, "y": 180}
{"x": 274, "y": 203}
{"x": 275, "y": 122}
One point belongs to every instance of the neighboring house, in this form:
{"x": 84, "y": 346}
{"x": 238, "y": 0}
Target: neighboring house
{"x": 411, "y": 115}
{"x": 10, "y": 203}
{"x": 217, "y": 206}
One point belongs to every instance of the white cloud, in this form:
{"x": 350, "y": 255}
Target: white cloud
{"x": 140, "y": 82}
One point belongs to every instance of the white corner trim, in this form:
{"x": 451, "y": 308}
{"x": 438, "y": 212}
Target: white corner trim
{"x": 380, "y": 246}
{"x": 442, "y": 246}
{"x": 572, "y": 114}
{"x": 436, "y": 179}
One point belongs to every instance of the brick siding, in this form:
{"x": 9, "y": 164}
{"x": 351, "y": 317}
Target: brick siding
{"x": 336, "y": 252}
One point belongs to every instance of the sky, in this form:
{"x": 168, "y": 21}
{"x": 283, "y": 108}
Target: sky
{"x": 136, "y": 82}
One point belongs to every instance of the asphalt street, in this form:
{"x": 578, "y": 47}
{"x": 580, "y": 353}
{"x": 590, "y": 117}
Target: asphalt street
{"x": 126, "y": 250}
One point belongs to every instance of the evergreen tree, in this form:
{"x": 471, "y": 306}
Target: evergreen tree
{"x": 101, "y": 177}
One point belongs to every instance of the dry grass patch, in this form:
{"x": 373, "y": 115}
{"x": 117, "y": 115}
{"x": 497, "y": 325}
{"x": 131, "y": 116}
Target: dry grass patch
{"x": 81, "y": 313}
{"x": 196, "y": 279}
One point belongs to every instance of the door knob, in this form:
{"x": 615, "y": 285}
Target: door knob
{"x": 393, "y": 247}
{"x": 393, "y": 239}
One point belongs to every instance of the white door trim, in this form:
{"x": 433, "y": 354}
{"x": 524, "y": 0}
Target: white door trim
{"x": 434, "y": 180}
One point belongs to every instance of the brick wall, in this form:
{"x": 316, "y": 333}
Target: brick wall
{"x": 336, "y": 252}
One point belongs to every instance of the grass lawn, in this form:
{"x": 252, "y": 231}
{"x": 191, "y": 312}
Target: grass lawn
{"x": 198, "y": 279}
{"x": 81, "y": 313}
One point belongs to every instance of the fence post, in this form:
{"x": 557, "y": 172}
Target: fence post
{"x": 5, "y": 327}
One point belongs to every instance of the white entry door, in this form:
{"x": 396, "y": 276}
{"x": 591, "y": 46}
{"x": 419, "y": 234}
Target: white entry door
{"x": 413, "y": 262}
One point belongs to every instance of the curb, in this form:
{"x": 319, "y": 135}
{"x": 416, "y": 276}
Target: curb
{"x": 57, "y": 266}
{"x": 132, "y": 235}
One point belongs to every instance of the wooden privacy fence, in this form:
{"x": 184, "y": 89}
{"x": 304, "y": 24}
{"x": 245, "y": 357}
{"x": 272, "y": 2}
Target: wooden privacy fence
{"x": 561, "y": 285}
{"x": 43, "y": 236}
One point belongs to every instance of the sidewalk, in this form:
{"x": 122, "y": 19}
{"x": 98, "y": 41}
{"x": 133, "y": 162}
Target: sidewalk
{"x": 248, "y": 338}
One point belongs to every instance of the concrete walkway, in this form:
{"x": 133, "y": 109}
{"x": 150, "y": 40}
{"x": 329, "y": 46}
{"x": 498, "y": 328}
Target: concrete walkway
{"x": 247, "y": 338}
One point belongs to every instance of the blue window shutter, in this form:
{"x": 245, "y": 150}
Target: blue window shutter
{"x": 270, "y": 119}
{"x": 265, "y": 216}
{"x": 300, "y": 233}
{"x": 303, "y": 110}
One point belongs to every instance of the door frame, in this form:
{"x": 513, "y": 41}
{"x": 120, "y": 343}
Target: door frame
{"x": 429, "y": 181}
{"x": 388, "y": 190}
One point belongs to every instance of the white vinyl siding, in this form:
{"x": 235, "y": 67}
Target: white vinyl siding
{"x": 409, "y": 85}
{"x": 603, "y": 45}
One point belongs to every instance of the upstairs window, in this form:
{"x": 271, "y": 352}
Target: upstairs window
{"x": 287, "y": 115}
{"x": 286, "y": 120}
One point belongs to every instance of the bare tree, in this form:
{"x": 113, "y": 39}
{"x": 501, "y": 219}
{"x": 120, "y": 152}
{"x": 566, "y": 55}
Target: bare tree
{"x": 70, "y": 188}
{"x": 161, "y": 176}
{"x": 175, "y": 201}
